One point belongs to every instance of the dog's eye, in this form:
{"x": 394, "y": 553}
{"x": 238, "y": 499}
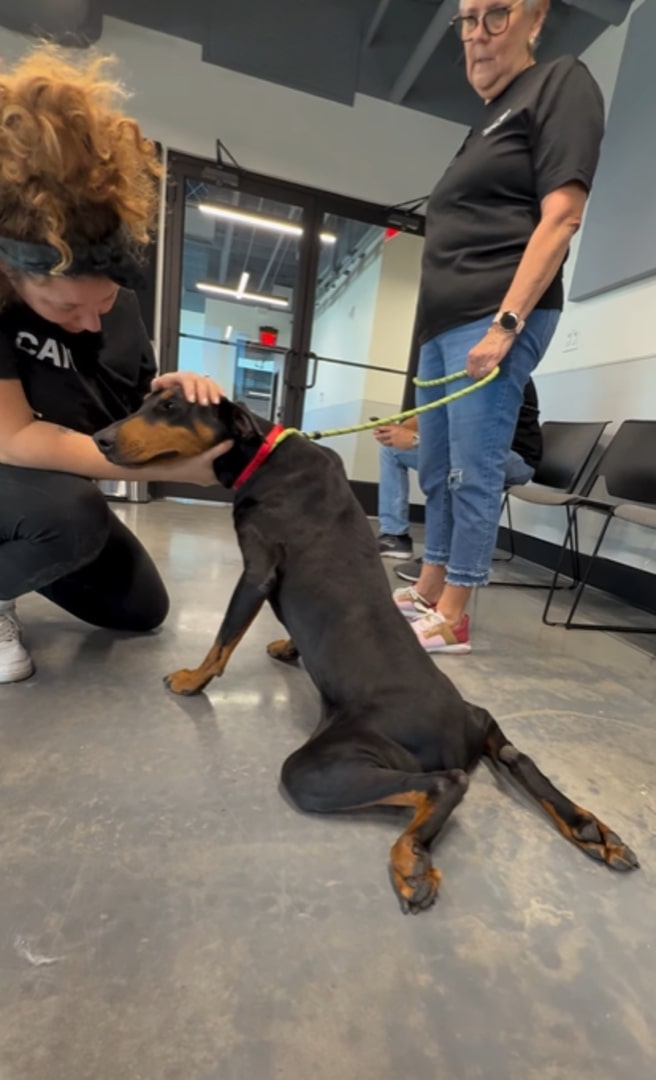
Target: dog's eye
{"x": 167, "y": 404}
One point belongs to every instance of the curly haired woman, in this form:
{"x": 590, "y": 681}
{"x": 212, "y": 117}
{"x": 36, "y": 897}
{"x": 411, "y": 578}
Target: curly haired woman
{"x": 78, "y": 204}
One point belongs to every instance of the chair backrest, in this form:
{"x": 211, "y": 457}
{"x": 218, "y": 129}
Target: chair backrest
{"x": 567, "y": 447}
{"x": 627, "y": 469}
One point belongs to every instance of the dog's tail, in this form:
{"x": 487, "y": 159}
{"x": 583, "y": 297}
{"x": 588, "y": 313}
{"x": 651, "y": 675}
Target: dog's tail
{"x": 578, "y": 825}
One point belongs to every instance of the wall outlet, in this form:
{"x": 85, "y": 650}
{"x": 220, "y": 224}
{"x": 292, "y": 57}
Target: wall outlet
{"x": 571, "y": 341}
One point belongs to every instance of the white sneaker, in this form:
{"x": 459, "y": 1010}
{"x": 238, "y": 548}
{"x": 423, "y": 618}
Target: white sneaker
{"x": 15, "y": 661}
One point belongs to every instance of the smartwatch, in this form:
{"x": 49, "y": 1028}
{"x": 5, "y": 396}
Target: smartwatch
{"x": 509, "y": 321}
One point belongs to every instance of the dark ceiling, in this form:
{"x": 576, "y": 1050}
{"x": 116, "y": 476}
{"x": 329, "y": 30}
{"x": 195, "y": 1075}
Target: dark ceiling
{"x": 402, "y": 51}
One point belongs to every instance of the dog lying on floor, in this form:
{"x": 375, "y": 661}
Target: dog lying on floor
{"x": 393, "y": 730}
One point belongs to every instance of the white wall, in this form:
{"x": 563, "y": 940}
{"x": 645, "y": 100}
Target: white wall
{"x": 368, "y": 320}
{"x": 390, "y": 347}
{"x": 342, "y": 329}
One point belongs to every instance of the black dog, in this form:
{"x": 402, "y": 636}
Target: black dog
{"x": 393, "y": 730}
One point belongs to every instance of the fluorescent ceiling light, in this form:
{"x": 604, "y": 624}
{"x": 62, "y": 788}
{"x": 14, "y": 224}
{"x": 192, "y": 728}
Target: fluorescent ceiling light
{"x": 254, "y": 298}
{"x": 228, "y": 333}
{"x": 243, "y": 282}
{"x": 260, "y": 222}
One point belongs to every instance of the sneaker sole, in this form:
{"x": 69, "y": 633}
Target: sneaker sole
{"x": 460, "y": 649}
{"x": 406, "y": 576}
{"x": 17, "y": 674}
{"x": 396, "y": 555}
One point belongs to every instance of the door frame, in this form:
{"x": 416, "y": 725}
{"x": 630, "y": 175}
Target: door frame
{"x": 314, "y": 203}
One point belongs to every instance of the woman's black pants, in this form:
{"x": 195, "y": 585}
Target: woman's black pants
{"x": 58, "y": 537}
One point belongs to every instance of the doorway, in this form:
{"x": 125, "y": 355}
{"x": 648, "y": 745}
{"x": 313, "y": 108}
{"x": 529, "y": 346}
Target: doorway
{"x": 297, "y": 301}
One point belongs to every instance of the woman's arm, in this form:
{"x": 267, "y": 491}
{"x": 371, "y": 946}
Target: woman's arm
{"x": 37, "y": 444}
{"x": 561, "y": 213}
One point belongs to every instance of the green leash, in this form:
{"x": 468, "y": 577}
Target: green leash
{"x": 398, "y": 417}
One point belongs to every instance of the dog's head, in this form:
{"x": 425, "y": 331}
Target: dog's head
{"x": 168, "y": 427}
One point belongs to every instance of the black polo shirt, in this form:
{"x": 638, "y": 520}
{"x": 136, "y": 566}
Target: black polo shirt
{"x": 82, "y": 381}
{"x": 542, "y": 132}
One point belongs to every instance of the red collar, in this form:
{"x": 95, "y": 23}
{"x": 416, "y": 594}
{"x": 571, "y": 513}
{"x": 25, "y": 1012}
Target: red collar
{"x": 265, "y": 449}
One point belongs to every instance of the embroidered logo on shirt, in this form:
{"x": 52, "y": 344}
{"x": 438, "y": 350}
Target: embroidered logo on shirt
{"x": 51, "y": 350}
{"x": 496, "y": 123}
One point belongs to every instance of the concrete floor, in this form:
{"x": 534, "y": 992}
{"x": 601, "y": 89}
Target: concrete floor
{"x": 166, "y": 915}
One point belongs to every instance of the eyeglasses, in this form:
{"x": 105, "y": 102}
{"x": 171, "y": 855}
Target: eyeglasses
{"x": 495, "y": 21}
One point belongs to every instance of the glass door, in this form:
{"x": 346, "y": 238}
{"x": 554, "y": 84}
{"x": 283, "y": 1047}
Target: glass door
{"x": 298, "y": 302}
{"x": 240, "y": 258}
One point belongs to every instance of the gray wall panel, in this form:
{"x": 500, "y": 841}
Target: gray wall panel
{"x": 618, "y": 244}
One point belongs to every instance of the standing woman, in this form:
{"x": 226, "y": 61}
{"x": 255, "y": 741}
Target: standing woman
{"x": 78, "y": 205}
{"x": 498, "y": 228}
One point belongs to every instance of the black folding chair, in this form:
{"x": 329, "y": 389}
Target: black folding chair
{"x": 623, "y": 488}
{"x": 567, "y": 447}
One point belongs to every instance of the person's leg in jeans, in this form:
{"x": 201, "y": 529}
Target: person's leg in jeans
{"x": 59, "y": 537}
{"x": 517, "y": 471}
{"x": 393, "y": 501}
{"x": 433, "y": 475}
{"x": 480, "y": 429}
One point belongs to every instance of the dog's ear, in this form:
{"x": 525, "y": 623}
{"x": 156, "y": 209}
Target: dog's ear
{"x": 244, "y": 423}
{"x": 238, "y": 421}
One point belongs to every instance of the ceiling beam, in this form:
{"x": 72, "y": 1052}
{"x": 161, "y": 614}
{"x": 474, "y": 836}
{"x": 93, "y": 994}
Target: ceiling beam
{"x": 377, "y": 19}
{"x": 611, "y": 11}
{"x": 426, "y": 46}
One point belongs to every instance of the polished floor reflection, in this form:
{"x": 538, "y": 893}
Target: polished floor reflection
{"x": 166, "y": 915}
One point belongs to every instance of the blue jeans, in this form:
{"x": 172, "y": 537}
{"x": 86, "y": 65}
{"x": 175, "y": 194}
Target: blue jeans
{"x": 465, "y": 445}
{"x": 393, "y": 486}
{"x": 393, "y": 496}
{"x": 517, "y": 471}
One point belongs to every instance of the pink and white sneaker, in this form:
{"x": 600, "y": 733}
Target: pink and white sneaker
{"x": 411, "y": 603}
{"x": 436, "y": 635}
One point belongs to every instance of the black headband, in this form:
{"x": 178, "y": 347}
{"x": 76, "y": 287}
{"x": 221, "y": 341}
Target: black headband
{"x": 111, "y": 259}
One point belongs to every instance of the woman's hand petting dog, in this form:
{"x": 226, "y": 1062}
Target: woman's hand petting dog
{"x": 198, "y": 388}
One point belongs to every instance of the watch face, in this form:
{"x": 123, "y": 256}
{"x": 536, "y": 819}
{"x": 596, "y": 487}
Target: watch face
{"x": 509, "y": 321}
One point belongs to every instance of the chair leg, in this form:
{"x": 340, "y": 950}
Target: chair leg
{"x": 576, "y": 558}
{"x": 622, "y": 628}
{"x": 570, "y": 545}
{"x": 511, "y": 534}
{"x": 583, "y": 581}
{"x": 505, "y": 505}
{"x": 532, "y": 584}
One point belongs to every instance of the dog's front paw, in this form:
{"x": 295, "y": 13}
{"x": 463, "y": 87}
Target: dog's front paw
{"x": 185, "y": 682}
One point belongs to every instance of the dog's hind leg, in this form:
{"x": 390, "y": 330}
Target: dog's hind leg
{"x": 245, "y": 603}
{"x": 578, "y": 825}
{"x": 331, "y": 774}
